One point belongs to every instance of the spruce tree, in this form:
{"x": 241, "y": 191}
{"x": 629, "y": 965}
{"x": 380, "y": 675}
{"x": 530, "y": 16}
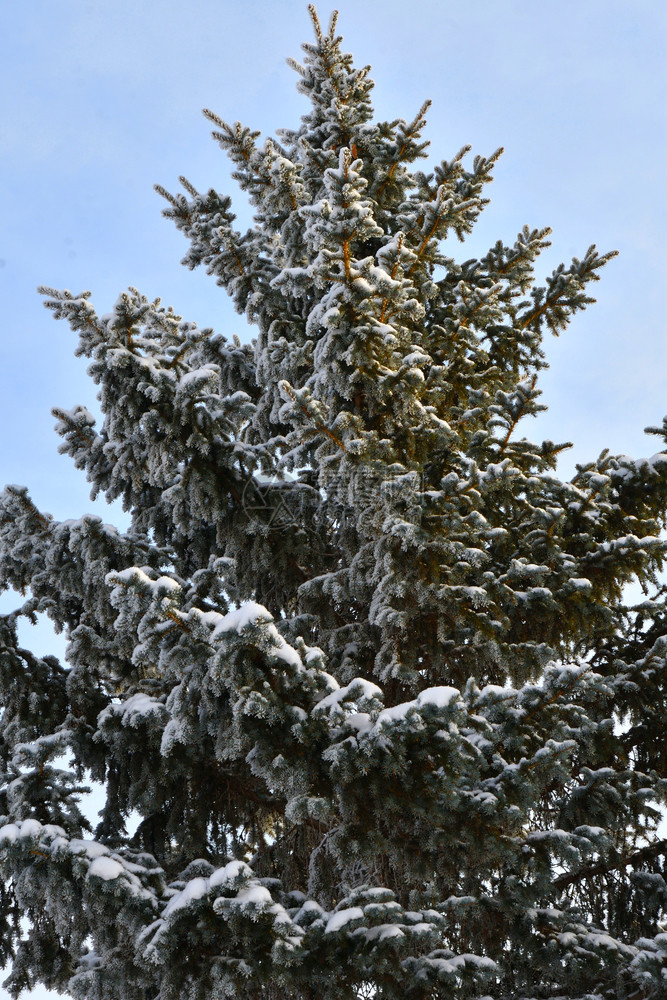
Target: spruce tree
{"x": 360, "y": 675}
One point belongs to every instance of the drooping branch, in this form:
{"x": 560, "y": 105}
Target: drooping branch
{"x": 644, "y": 854}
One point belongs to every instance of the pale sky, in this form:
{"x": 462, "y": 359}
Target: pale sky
{"x": 103, "y": 100}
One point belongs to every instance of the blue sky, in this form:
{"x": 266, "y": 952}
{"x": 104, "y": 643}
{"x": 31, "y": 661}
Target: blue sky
{"x": 104, "y": 100}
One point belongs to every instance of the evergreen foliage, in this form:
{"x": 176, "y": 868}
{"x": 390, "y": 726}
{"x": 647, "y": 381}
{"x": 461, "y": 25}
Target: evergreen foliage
{"x": 360, "y": 672}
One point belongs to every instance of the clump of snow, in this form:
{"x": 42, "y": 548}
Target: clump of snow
{"x": 309, "y": 906}
{"x": 395, "y": 714}
{"x": 133, "y": 710}
{"x": 105, "y": 868}
{"x": 53, "y": 839}
{"x": 198, "y": 887}
{"x": 382, "y": 932}
{"x": 361, "y": 721}
{"x": 357, "y": 690}
{"x": 249, "y": 613}
{"x": 30, "y": 828}
{"x": 435, "y": 697}
{"x": 91, "y": 848}
{"x": 229, "y": 873}
{"x": 253, "y": 896}
{"x": 194, "y": 889}
{"x": 252, "y": 613}
{"x": 343, "y": 917}
{"x": 439, "y": 697}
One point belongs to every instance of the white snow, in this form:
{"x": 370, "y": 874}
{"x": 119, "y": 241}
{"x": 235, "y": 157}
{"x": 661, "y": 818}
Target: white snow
{"x": 310, "y": 906}
{"x": 496, "y": 691}
{"x": 252, "y": 613}
{"x": 200, "y": 376}
{"x": 285, "y": 652}
{"x": 628, "y": 465}
{"x": 162, "y": 588}
{"x": 395, "y": 714}
{"x": 229, "y": 873}
{"x": 194, "y": 889}
{"x": 91, "y": 848}
{"x": 132, "y": 711}
{"x": 417, "y": 357}
{"x": 105, "y": 868}
{"x": 53, "y": 839}
{"x": 198, "y": 887}
{"x": 253, "y": 895}
{"x": 249, "y": 613}
{"x": 30, "y": 828}
{"x": 380, "y": 933}
{"x": 440, "y": 697}
{"x": 354, "y": 691}
{"x": 343, "y": 917}
{"x": 128, "y": 576}
{"x": 165, "y": 584}
{"x": 361, "y": 721}
{"x": 435, "y": 697}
